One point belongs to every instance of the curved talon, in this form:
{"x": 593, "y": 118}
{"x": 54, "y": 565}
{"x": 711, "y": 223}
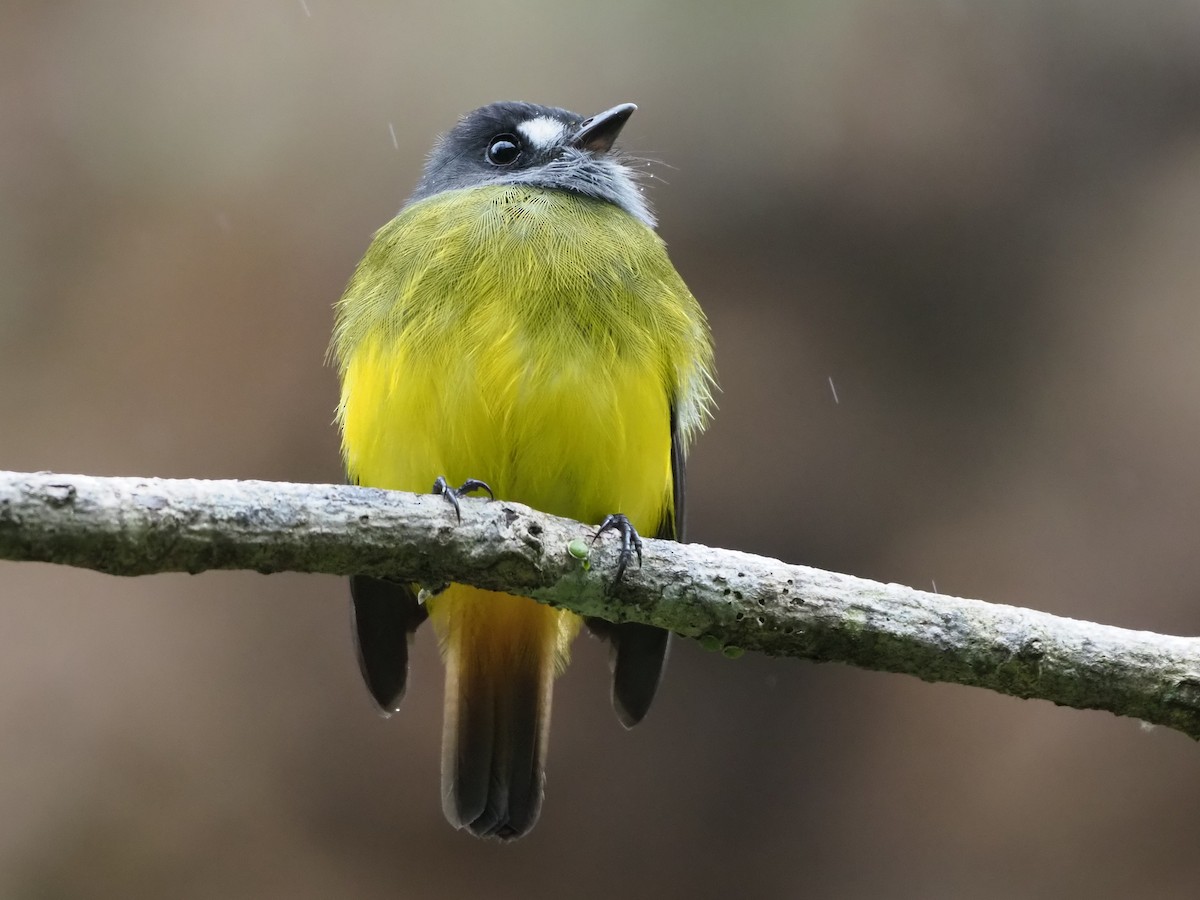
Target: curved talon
{"x": 631, "y": 541}
{"x": 440, "y": 486}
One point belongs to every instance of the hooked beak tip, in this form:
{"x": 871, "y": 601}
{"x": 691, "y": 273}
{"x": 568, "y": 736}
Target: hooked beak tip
{"x": 598, "y": 133}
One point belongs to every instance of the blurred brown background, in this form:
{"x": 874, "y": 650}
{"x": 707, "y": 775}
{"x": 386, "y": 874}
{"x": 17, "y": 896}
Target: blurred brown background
{"x": 982, "y": 221}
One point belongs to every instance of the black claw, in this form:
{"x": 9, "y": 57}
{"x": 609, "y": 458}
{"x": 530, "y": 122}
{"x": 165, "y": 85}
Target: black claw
{"x": 440, "y": 486}
{"x": 631, "y": 541}
{"x": 474, "y": 484}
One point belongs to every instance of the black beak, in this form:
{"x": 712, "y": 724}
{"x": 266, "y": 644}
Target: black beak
{"x": 598, "y": 133}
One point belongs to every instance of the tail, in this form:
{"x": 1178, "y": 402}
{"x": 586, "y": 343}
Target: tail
{"x": 502, "y": 654}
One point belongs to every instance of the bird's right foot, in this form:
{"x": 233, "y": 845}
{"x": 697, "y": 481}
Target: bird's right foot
{"x": 441, "y": 486}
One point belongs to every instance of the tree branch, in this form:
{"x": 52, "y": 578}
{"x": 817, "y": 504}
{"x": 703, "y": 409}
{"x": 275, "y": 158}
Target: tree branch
{"x": 725, "y": 599}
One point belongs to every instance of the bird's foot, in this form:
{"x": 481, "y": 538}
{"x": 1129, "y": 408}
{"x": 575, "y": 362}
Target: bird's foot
{"x": 440, "y": 486}
{"x": 631, "y": 541}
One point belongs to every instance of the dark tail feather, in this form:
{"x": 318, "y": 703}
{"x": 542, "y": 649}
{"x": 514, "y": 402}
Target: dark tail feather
{"x": 494, "y": 742}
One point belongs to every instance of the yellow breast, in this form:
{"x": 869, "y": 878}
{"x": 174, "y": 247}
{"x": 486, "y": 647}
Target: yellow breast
{"x": 533, "y": 339}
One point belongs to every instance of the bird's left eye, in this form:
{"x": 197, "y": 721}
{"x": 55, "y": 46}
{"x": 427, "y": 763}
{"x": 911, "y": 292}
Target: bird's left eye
{"x": 503, "y": 150}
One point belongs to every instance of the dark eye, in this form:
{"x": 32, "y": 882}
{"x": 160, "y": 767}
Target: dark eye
{"x": 503, "y": 150}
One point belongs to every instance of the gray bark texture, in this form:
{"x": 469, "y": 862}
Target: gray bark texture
{"x": 725, "y": 599}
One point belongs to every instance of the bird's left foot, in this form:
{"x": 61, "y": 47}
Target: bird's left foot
{"x": 440, "y": 486}
{"x": 631, "y": 541}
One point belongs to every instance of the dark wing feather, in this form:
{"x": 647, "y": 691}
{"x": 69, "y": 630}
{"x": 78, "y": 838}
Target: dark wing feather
{"x": 385, "y": 614}
{"x": 672, "y": 527}
{"x": 639, "y": 651}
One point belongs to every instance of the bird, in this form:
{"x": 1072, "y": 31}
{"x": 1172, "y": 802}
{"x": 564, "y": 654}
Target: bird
{"x": 518, "y": 329}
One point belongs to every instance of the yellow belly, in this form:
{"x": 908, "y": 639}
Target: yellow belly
{"x": 580, "y": 442}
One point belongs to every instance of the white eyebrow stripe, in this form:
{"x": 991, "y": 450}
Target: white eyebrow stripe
{"x": 542, "y": 132}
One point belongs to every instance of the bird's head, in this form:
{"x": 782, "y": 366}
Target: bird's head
{"x": 543, "y": 146}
